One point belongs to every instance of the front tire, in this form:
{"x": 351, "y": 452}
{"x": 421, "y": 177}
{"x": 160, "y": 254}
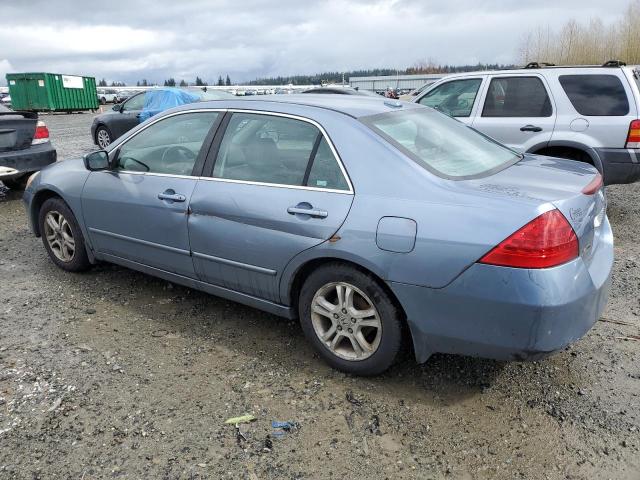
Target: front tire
{"x": 103, "y": 101}
{"x": 103, "y": 137}
{"x": 350, "y": 319}
{"x": 62, "y": 237}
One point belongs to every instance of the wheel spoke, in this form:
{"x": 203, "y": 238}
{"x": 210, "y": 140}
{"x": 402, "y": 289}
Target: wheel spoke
{"x": 68, "y": 238}
{"x": 374, "y": 322}
{"x": 336, "y": 340}
{"x": 369, "y": 312}
{"x": 321, "y": 310}
{"x": 329, "y": 333}
{"x": 348, "y": 297}
{"x": 340, "y": 293}
{"x": 53, "y": 225}
{"x": 362, "y": 342}
{"x": 357, "y": 349}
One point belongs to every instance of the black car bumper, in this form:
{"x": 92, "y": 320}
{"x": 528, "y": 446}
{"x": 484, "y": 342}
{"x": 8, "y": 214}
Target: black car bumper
{"x": 29, "y": 160}
{"x": 620, "y": 165}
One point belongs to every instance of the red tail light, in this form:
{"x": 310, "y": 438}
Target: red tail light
{"x": 593, "y": 186}
{"x": 546, "y": 241}
{"x": 633, "y": 139}
{"x": 42, "y": 133}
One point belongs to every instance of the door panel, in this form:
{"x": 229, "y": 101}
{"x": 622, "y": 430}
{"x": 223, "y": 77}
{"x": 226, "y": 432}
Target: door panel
{"x": 126, "y": 218}
{"x": 517, "y": 111}
{"x": 139, "y": 211}
{"x": 278, "y": 190}
{"x": 242, "y": 235}
{"x": 129, "y": 116}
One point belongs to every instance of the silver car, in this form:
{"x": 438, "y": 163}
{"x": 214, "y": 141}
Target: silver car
{"x": 589, "y": 114}
{"x": 379, "y": 224}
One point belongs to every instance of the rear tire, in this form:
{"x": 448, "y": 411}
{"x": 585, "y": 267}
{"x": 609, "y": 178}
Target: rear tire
{"x": 350, "y": 319}
{"x": 103, "y": 101}
{"x": 62, "y": 237}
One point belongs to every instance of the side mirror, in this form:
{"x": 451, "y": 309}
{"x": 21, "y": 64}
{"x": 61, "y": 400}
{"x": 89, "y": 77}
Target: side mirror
{"x": 96, "y": 161}
{"x": 117, "y": 107}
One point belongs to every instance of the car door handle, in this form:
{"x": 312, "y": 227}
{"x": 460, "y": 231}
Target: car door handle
{"x": 175, "y": 197}
{"x": 530, "y": 128}
{"x": 307, "y": 211}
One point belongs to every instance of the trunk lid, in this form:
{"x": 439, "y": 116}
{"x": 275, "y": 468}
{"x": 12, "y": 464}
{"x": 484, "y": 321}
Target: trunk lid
{"x": 545, "y": 180}
{"x": 17, "y": 130}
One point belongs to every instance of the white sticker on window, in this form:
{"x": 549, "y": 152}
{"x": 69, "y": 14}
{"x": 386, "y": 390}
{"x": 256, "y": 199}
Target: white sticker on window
{"x": 321, "y": 183}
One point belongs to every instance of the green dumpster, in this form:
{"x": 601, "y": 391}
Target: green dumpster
{"x": 52, "y": 92}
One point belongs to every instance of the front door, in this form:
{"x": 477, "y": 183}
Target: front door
{"x": 517, "y": 111}
{"x": 277, "y": 188}
{"x": 457, "y": 98}
{"x": 139, "y": 210}
{"x": 129, "y": 115}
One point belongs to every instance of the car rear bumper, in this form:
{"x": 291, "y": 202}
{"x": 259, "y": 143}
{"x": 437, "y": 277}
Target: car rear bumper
{"x": 620, "y": 165}
{"x": 29, "y": 160}
{"x": 509, "y": 313}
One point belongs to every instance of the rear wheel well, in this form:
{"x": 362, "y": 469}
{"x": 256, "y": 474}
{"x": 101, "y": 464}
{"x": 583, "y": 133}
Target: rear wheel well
{"x": 36, "y": 204}
{"x": 305, "y": 270}
{"x": 571, "y": 153}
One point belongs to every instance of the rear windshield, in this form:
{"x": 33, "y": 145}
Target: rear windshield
{"x": 441, "y": 144}
{"x": 596, "y": 95}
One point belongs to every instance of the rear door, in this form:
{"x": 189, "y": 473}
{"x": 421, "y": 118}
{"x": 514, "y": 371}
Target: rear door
{"x": 457, "y": 98}
{"x": 276, "y": 188}
{"x": 518, "y": 111}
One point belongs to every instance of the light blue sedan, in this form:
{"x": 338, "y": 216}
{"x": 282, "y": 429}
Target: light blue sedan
{"x": 372, "y": 221}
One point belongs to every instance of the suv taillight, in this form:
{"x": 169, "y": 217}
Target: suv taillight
{"x": 633, "y": 139}
{"x": 546, "y": 241}
{"x": 41, "y": 135}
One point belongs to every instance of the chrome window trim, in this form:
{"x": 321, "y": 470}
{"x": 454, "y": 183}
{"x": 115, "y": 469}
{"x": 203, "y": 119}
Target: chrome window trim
{"x": 324, "y": 133}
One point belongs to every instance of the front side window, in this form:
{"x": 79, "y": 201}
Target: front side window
{"x": 169, "y": 146}
{"x": 517, "y": 97}
{"x": 596, "y": 95}
{"x": 454, "y": 98}
{"x": 134, "y": 103}
{"x": 442, "y": 145}
{"x": 276, "y": 150}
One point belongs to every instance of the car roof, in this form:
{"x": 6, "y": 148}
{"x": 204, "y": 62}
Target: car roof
{"x": 586, "y": 69}
{"x": 355, "y": 106}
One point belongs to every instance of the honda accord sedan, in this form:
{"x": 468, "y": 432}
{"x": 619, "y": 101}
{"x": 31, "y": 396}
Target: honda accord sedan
{"x": 372, "y": 221}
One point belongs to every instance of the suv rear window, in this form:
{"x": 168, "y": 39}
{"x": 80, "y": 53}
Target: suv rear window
{"x": 596, "y": 95}
{"x": 517, "y": 97}
{"x": 441, "y": 144}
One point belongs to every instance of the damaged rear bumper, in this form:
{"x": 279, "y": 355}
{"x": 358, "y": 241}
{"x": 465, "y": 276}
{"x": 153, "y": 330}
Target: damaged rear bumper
{"x": 509, "y": 313}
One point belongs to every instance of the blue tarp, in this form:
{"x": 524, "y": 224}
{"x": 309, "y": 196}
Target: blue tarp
{"x": 161, "y": 99}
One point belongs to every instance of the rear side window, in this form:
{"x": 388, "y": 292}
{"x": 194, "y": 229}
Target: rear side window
{"x": 277, "y": 150}
{"x": 596, "y": 95}
{"x": 517, "y": 97}
{"x": 441, "y": 144}
{"x": 454, "y": 98}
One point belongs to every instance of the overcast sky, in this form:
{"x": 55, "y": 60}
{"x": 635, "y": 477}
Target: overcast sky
{"x": 156, "y": 39}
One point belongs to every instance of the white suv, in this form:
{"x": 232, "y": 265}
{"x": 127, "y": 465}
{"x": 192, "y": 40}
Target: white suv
{"x": 589, "y": 114}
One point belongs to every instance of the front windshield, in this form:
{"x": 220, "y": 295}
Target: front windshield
{"x": 441, "y": 144}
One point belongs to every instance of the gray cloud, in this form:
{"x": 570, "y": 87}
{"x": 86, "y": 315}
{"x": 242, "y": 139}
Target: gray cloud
{"x": 131, "y": 40}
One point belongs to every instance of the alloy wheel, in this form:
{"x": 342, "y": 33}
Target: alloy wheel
{"x": 346, "y": 321}
{"x": 59, "y": 235}
{"x": 104, "y": 140}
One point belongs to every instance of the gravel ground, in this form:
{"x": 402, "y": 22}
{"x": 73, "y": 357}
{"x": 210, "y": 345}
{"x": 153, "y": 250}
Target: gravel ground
{"x": 114, "y": 374}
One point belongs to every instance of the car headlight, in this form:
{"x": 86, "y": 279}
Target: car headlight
{"x": 31, "y": 179}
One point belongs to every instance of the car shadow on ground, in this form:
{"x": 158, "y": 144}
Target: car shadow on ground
{"x": 250, "y": 332}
